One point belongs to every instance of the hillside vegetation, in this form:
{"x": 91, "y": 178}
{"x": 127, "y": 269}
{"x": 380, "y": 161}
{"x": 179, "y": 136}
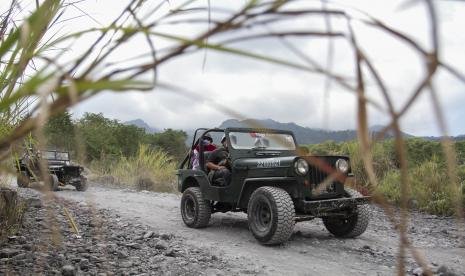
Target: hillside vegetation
{"x": 431, "y": 188}
{"x": 122, "y": 154}
{"x": 118, "y": 153}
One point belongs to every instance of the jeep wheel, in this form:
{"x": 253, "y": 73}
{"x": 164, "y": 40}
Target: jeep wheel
{"x": 22, "y": 180}
{"x": 82, "y": 185}
{"x": 195, "y": 210}
{"x": 271, "y": 215}
{"x": 53, "y": 182}
{"x": 351, "y": 226}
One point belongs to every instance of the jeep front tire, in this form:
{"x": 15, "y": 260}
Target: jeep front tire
{"x": 352, "y": 226}
{"x": 271, "y": 215}
{"x": 22, "y": 179}
{"x": 82, "y": 185}
{"x": 195, "y": 210}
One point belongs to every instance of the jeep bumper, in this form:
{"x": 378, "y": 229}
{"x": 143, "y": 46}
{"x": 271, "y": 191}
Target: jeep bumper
{"x": 74, "y": 181}
{"x": 321, "y": 207}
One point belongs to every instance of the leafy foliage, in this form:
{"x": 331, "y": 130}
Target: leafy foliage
{"x": 428, "y": 177}
{"x": 104, "y": 138}
{"x": 60, "y": 132}
{"x": 171, "y": 141}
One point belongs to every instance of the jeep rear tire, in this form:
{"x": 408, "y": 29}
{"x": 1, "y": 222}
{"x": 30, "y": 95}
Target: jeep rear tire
{"x": 53, "y": 182}
{"x": 82, "y": 185}
{"x": 195, "y": 210}
{"x": 352, "y": 226}
{"x": 271, "y": 215}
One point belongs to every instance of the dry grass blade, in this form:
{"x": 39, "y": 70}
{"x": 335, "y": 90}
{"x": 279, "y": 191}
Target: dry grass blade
{"x": 329, "y": 65}
{"x": 71, "y": 221}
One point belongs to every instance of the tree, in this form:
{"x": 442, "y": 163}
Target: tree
{"x": 128, "y": 138}
{"x": 103, "y": 136}
{"x": 97, "y": 135}
{"x": 59, "y": 132}
{"x": 171, "y": 141}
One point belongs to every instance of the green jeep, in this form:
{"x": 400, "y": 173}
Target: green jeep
{"x": 60, "y": 170}
{"x": 274, "y": 184}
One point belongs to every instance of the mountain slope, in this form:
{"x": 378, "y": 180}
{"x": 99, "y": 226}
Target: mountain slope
{"x": 304, "y": 135}
{"x": 142, "y": 124}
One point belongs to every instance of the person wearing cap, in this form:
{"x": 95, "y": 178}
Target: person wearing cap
{"x": 217, "y": 163}
{"x": 207, "y": 143}
{"x": 208, "y": 146}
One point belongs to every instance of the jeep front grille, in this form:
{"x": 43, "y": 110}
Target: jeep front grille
{"x": 317, "y": 177}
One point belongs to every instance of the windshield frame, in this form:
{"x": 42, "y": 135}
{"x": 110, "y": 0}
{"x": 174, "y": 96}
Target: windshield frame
{"x": 264, "y": 132}
{"x": 55, "y": 155}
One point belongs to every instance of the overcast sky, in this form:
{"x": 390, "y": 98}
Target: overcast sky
{"x": 261, "y": 90}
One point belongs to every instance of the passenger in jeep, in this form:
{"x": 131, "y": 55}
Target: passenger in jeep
{"x": 217, "y": 163}
{"x": 208, "y": 147}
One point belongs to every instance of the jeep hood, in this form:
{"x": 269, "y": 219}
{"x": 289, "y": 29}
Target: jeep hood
{"x": 264, "y": 163}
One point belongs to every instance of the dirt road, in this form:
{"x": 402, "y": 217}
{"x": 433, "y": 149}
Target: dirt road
{"x": 311, "y": 250}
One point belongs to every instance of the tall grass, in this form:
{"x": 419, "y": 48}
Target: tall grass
{"x": 429, "y": 189}
{"x": 150, "y": 169}
{"x": 12, "y": 210}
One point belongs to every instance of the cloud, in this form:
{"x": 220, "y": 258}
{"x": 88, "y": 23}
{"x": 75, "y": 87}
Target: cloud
{"x": 257, "y": 89}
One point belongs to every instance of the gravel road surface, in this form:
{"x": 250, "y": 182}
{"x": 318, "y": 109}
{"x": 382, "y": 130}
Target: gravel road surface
{"x": 310, "y": 251}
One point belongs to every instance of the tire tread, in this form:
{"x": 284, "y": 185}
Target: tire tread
{"x": 363, "y": 218}
{"x": 285, "y": 213}
{"x": 204, "y": 212}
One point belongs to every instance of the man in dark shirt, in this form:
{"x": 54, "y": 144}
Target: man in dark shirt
{"x": 218, "y": 165}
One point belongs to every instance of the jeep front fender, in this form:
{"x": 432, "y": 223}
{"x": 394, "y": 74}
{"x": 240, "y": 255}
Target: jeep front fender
{"x": 289, "y": 184}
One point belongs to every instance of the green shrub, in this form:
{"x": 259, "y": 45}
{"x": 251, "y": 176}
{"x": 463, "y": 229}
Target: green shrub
{"x": 461, "y": 174}
{"x": 430, "y": 187}
{"x": 420, "y": 150}
{"x": 429, "y": 184}
{"x": 460, "y": 150}
{"x": 327, "y": 147}
{"x": 389, "y": 186}
{"x": 383, "y": 161}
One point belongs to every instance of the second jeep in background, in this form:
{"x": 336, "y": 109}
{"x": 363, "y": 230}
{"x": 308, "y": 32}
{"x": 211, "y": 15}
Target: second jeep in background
{"x": 61, "y": 171}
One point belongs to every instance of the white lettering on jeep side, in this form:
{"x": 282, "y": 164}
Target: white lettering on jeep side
{"x": 268, "y": 163}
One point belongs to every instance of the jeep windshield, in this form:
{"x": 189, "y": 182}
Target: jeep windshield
{"x": 55, "y": 155}
{"x": 262, "y": 141}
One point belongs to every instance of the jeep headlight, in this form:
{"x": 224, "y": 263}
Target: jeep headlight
{"x": 301, "y": 167}
{"x": 342, "y": 165}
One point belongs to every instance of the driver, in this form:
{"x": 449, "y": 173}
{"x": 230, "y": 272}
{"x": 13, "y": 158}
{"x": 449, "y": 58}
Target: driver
{"x": 217, "y": 163}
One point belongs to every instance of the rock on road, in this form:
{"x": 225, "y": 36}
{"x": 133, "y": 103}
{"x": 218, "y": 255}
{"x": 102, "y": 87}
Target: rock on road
{"x": 311, "y": 249}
